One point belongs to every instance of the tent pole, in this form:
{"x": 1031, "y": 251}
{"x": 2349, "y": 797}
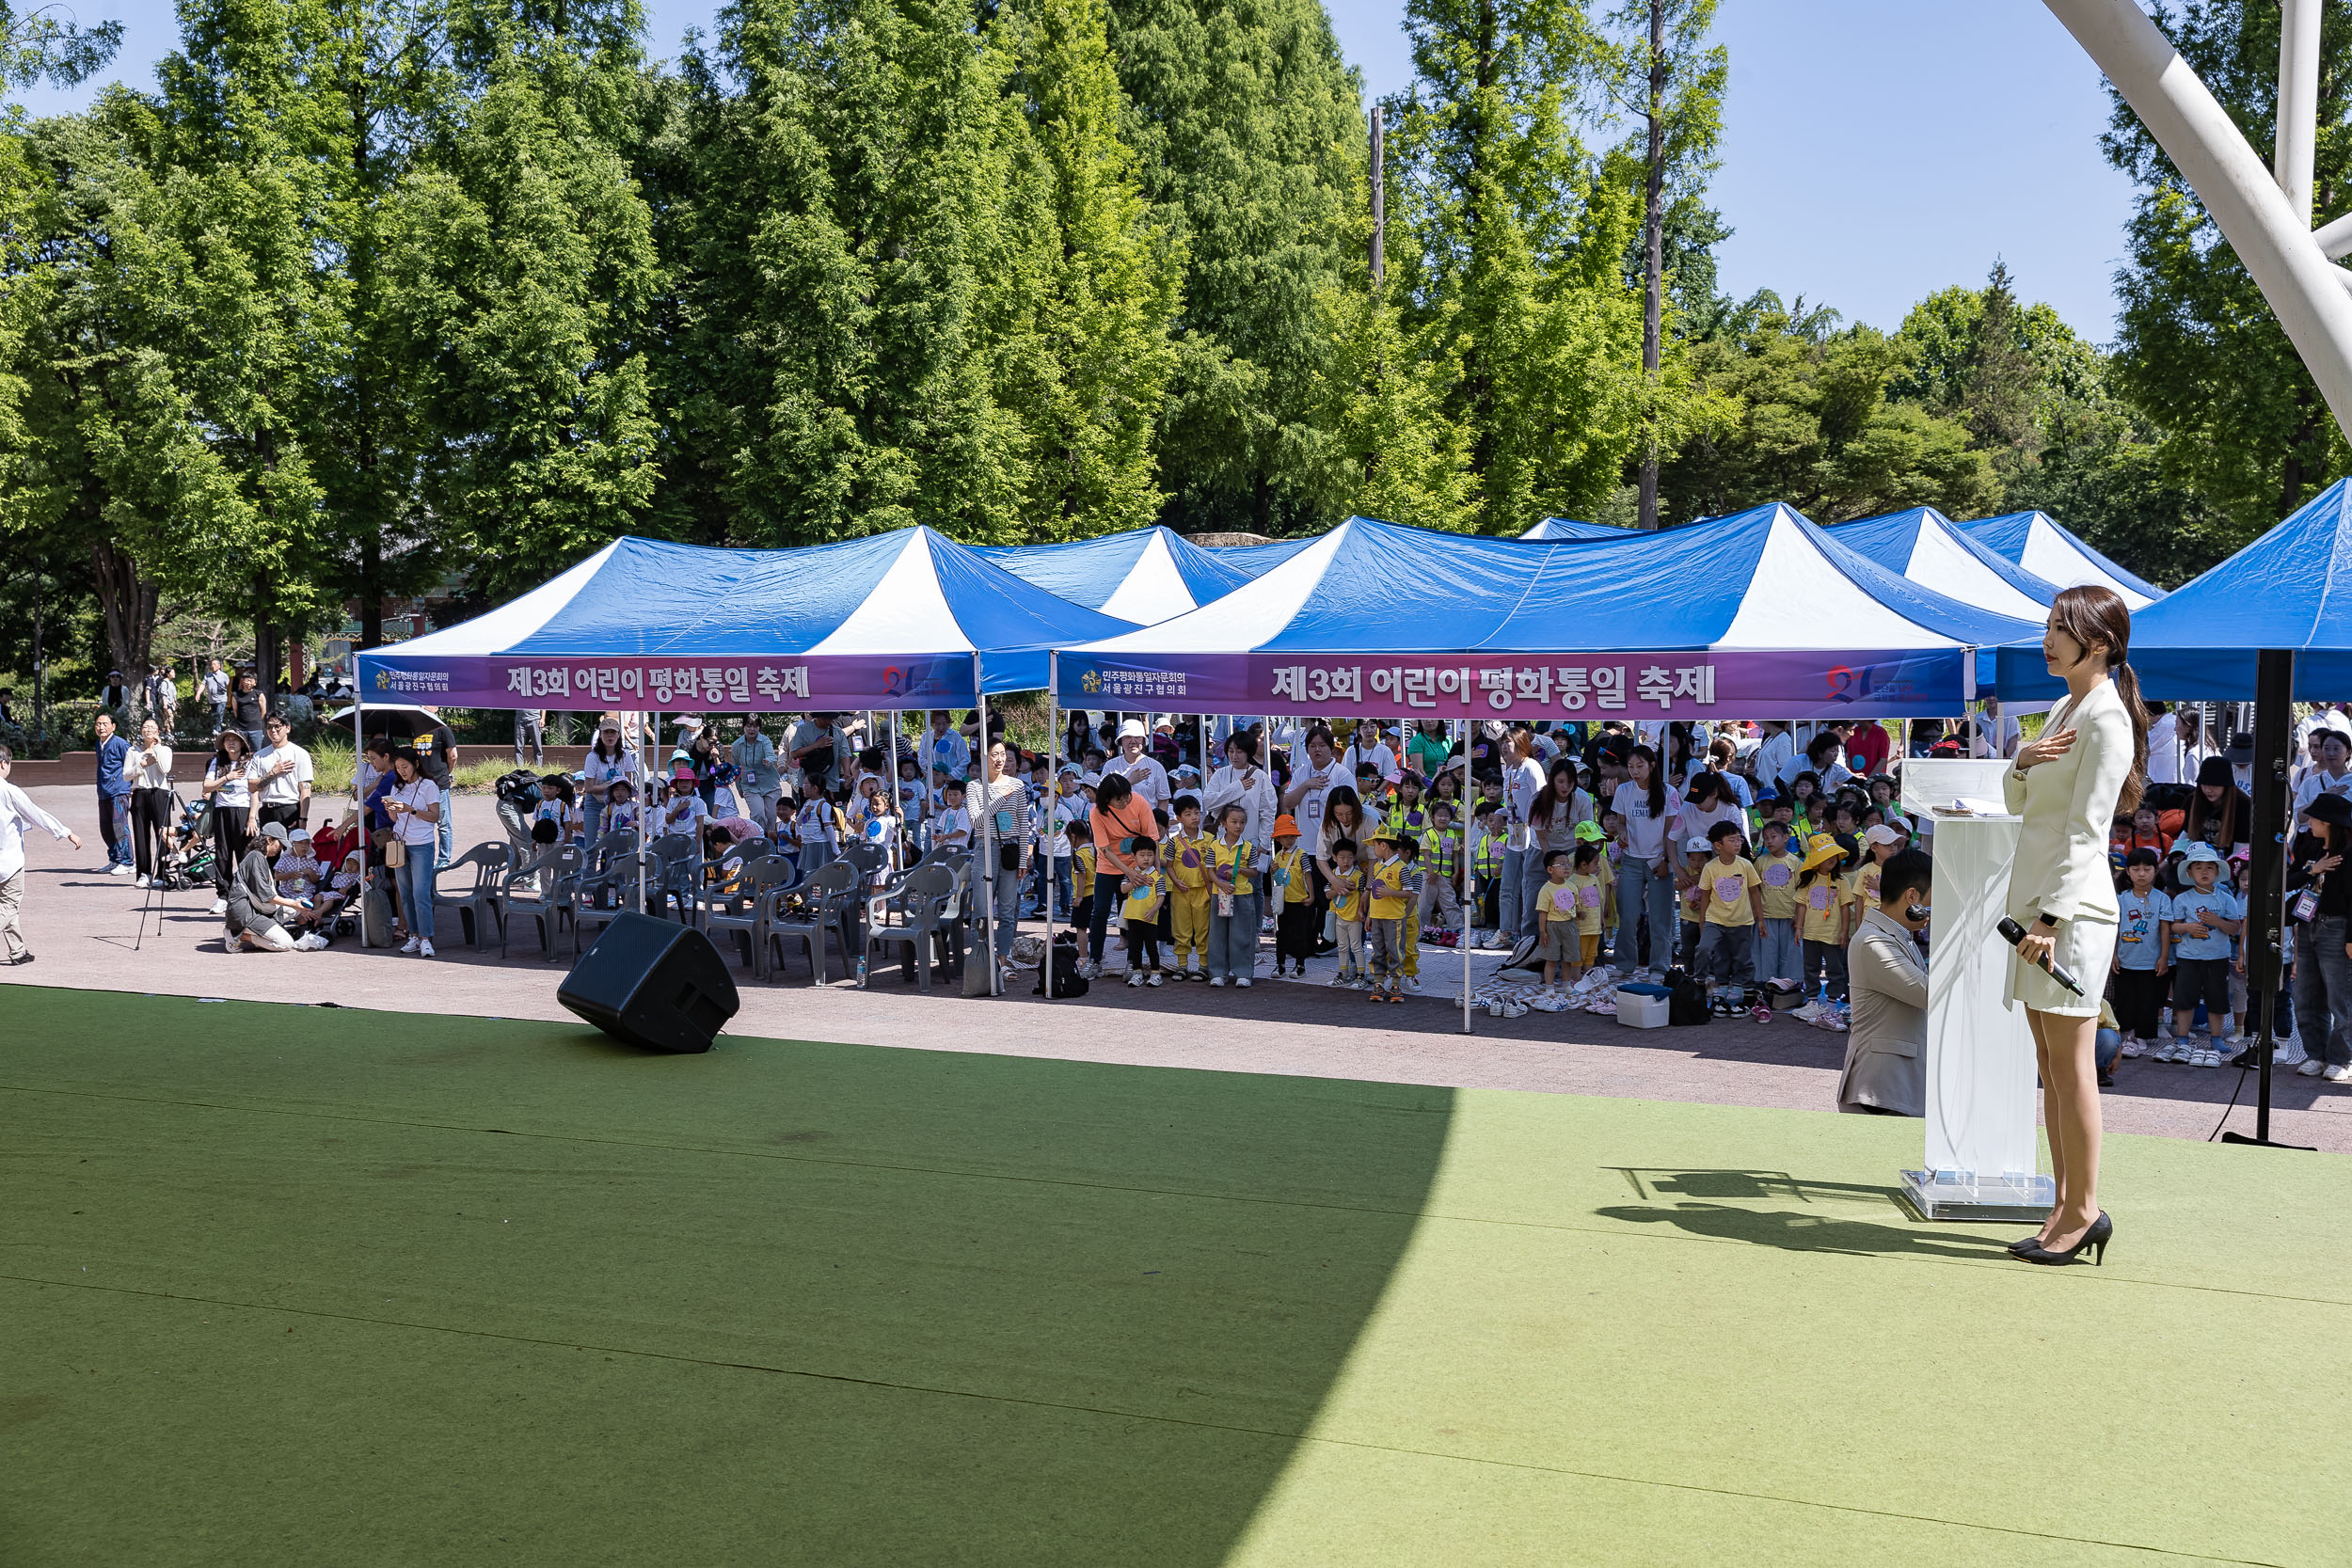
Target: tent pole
{"x": 1052, "y": 805}
{"x": 995, "y": 850}
{"x": 2265, "y": 906}
{"x": 359, "y": 803}
{"x": 1461, "y": 861}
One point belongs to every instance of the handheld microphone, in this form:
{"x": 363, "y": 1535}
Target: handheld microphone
{"x": 2013, "y": 933}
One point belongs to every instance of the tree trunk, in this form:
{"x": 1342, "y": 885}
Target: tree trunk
{"x": 1653, "y": 260}
{"x": 265, "y": 648}
{"x": 127, "y": 602}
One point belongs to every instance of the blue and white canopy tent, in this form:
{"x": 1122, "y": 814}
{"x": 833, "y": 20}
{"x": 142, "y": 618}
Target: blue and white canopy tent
{"x": 894, "y": 621}
{"x": 2035, "y": 541}
{"x": 2289, "y": 589}
{"x": 1933, "y": 551}
{"x": 1145, "y": 575}
{"x": 1568, "y": 528}
{"x": 1257, "y": 560}
{"x": 1759, "y": 615}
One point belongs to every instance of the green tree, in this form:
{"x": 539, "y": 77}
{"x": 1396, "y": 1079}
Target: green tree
{"x": 1250, "y": 137}
{"x": 1082, "y": 321}
{"x": 1663, "y": 71}
{"x": 520, "y": 274}
{"x": 37, "y": 45}
{"x": 1517, "y": 281}
{"x": 834, "y": 236}
{"x": 1811, "y": 424}
{"x": 2197, "y": 350}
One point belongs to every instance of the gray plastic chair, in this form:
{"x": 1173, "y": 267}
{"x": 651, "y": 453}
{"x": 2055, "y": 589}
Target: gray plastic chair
{"x": 537, "y": 888}
{"x": 746, "y": 903}
{"x": 825, "y": 897}
{"x": 926, "y": 892}
{"x": 478, "y": 904}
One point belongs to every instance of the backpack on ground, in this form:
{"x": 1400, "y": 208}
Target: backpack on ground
{"x": 1687, "y": 999}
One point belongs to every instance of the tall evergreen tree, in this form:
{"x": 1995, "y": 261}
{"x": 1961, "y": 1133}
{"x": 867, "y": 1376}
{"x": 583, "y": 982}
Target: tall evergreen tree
{"x": 1080, "y": 328}
{"x": 829, "y": 368}
{"x": 1517, "y": 274}
{"x": 523, "y": 269}
{"x": 1251, "y": 137}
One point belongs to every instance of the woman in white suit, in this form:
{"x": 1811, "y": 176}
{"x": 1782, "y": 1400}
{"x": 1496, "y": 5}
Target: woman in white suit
{"x": 2091, "y": 763}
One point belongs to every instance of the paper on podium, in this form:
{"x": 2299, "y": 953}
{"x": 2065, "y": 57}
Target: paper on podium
{"x": 1975, "y": 781}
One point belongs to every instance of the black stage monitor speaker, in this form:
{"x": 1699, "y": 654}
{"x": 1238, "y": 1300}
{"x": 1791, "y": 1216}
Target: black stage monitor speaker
{"x": 652, "y": 983}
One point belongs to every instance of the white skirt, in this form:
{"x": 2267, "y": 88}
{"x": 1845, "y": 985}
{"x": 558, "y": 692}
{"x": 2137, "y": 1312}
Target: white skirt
{"x": 2085, "y": 949}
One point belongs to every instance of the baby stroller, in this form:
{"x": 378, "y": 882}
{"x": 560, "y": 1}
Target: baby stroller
{"x": 187, "y": 860}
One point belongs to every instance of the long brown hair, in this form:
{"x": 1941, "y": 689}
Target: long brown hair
{"x": 2090, "y": 614}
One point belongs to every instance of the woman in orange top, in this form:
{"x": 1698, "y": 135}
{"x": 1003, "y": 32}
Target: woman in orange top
{"x": 1119, "y": 814}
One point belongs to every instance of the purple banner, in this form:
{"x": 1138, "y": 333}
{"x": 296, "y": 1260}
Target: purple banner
{"x": 1686, "y": 684}
{"x": 819, "y": 683}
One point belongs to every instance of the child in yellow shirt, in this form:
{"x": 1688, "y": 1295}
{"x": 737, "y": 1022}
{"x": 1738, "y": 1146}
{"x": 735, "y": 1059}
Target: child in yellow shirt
{"x": 1385, "y": 923}
{"x": 1823, "y": 905}
{"x": 1187, "y": 861}
{"x": 1142, "y": 889}
{"x": 1777, "y": 954}
{"x": 1732, "y": 904}
{"x": 1290, "y": 888}
{"x": 1555, "y": 906}
{"x": 1233, "y": 900}
{"x": 1347, "y": 909}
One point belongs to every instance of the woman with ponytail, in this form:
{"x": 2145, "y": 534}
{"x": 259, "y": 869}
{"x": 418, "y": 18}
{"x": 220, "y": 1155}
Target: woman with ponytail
{"x": 2090, "y": 765}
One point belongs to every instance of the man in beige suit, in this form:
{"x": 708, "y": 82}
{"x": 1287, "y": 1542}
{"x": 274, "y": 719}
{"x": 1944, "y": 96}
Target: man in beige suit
{"x": 1886, "y": 1050}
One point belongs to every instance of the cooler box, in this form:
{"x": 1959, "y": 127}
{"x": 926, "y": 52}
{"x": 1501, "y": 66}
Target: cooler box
{"x": 1640, "y": 1006}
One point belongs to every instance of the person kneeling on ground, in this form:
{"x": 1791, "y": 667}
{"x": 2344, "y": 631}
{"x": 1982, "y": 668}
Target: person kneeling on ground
{"x": 1886, "y": 1052}
{"x": 255, "y": 903}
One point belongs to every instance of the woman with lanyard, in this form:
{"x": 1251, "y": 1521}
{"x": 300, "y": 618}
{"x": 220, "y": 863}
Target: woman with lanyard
{"x": 1312, "y": 777}
{"x": 231, "y": 797}
{"x": 1121, "y": 817}
{"x": 1651, "y": 813}
{"x": 1551, "y": 819}
{"x": 414, "y": 805}
{"x": 1522, "y": 780}
{"x": 148, "y": 767}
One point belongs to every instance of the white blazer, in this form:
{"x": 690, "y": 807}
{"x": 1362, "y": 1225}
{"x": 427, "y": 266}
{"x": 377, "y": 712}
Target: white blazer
{"x": 2069, "y": 806}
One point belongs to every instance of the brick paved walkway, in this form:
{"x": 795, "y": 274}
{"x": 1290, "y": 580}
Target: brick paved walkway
{"x": 84, "y": 924}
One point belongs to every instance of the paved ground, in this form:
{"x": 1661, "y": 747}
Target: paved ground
{"x": 87, "y": 930}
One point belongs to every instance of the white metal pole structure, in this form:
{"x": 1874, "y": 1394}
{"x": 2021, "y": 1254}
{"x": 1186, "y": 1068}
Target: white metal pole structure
{"x": 986, "y": 853}
{"x": 1461, "y": 861}
{"x": 1052, "y": 805}
{"x": 2264, "y": 223}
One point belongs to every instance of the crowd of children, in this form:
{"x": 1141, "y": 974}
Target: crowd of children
{"x": 1766, "y": 841}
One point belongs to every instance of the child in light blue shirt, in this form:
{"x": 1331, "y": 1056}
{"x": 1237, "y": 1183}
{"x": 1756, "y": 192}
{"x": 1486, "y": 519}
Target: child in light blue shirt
{"x": 2204, "y": 915}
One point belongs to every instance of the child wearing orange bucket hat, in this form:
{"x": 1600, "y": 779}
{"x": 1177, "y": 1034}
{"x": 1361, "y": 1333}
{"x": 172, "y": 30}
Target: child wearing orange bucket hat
{"x": 1290, "y": 894}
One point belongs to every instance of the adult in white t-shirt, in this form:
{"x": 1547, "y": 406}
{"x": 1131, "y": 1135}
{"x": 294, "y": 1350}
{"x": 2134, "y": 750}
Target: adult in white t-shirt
{"x": 1244, "y": 781}
{"x": 608, "y": 762}
{"x": 1141, "y": 768}
{"x": 147, "y": 768}
{"x": 413, "y": 804}
{"x": 280, "y": 774}
{"x": 2331, "y": 770}
{"x": 1370, "y": 748}
{"x": 1651, "y": 814}
{"x": 1776, "y": 758}
{"x": 1522, "y": 780}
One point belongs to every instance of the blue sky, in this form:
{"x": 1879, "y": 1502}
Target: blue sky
{"x": 1875, "y": 150}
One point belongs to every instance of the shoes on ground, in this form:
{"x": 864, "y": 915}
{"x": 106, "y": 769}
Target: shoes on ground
{"x": 1216, "y": 980}
{"x": 1135, "y": 978}
{"x": 120, "y": 869}
{"x": 409, "y": 946}
{"x": 220, "y": 906}
{"x": 1412, "y": 983}
{"x": 1240, "y": 982}
{"x": 2132, "y": 1046}
{"x": 2339, "y": 1074}
{"x": 2311, "y": 1067}
{"x": 425, "y": 950}
{"x": 1151, "y": 979}
{"x": 1760, "y": 1013}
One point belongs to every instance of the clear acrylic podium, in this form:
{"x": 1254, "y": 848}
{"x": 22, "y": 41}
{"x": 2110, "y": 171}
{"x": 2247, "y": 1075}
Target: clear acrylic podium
{"x": 1981, "y": 1150}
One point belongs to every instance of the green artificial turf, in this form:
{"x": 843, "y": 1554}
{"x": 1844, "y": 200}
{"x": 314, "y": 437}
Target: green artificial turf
{"x": 293, "y": 1286}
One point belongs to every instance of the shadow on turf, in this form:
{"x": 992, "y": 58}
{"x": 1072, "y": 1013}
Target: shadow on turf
{"x": 1793, "y": 1231}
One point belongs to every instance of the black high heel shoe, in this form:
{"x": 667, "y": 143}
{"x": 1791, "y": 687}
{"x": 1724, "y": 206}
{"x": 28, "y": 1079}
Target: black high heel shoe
{"x": 2095, "y": 1236}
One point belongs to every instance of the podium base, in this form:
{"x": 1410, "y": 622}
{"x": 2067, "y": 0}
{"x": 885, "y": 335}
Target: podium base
{"x": 1956, "y": 1195}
